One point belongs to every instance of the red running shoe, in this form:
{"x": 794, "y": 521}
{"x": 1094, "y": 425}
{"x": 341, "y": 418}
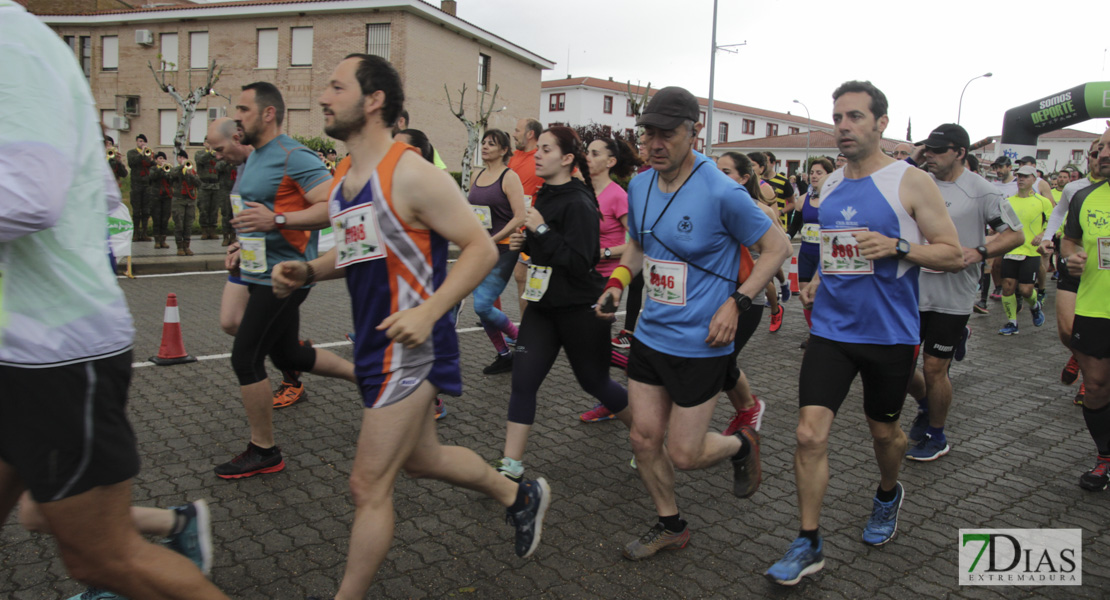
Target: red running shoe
{"x": 1070, "y": 372}
{"x": 776, "y": 320}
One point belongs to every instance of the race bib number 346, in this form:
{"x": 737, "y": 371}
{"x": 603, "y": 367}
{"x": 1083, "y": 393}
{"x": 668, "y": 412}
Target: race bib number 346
{"x": 840, "y": 253}
{"x": 665, "y": 281}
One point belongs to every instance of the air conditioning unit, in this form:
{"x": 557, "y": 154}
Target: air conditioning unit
{"x": 120, "y": 123}
{"x": 144, "y": 37}
{"x": 218, "y": 112}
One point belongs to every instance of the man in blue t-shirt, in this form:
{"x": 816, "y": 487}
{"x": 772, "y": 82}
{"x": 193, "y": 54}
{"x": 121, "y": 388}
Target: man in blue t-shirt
{"x": 686, "y": 223}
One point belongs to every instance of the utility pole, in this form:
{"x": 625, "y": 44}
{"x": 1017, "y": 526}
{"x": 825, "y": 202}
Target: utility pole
{"x": 712, "y": 71}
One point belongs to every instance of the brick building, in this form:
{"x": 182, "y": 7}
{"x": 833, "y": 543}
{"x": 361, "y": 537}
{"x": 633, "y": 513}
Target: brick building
{"x": 294, "y": 44}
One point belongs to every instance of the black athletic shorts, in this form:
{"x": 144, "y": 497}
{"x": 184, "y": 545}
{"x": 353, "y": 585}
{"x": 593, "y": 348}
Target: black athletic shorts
{"x": 941, "y": 332}
{"x": 1091, "y": 336}
{"x": 688, "y": 381}
{"x": 1024, "y": 271}
{"x": 64, "y": 429}
{"x": 829, "y": 368}
{"x": 746, "y": 325}
{"x": 1067, "y": 282}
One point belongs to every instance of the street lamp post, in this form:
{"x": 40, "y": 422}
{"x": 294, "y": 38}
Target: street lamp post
{"x": 809, "y": 126}
{"x": 712, "y": 71}
{"x": 960, "y": 110}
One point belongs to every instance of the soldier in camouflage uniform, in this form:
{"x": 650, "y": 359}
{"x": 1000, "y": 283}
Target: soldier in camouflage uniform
{"x": 185, "y": 184}
{"x": 160, "y": 195}
{"x": 208, "y": 196}
{"x": 140, "y": 163}
{"x": 227, "y": 181}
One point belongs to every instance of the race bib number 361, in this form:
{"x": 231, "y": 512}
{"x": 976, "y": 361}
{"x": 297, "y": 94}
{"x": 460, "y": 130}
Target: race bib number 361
{"x": 665, "y": 281}
{"x": 840, "y": 253}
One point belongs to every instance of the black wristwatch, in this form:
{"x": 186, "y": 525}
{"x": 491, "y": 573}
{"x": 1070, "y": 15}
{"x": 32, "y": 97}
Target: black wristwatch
{"x": 742, "y": 302}
{"x": 542, "y": 228}
{"x": 607, "y": 253}
{"x": 902, "y": 248}
{"x": 982, "y": 250}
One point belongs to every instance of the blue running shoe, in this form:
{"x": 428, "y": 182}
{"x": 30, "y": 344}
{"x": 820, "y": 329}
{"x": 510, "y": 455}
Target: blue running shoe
{"x": 803, "y": 558}
{"x": 1038, "y": 314}
{"x": 350, "y": 337}
{"x": 97, "y": 594}
{"x": 883, "y": 523}
{"x": 961, "y": 348}
{"x": 928, "y": 449}
{"x": 920, "y": 424}
{"x": 784, "y": 291}
{"x": 195, "y": 539}
{"x": 528, "y": 521}
{"x": 1009, "y": 329}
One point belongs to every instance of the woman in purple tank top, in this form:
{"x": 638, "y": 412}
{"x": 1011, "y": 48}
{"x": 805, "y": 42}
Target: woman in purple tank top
{"x": 497, "y": 199}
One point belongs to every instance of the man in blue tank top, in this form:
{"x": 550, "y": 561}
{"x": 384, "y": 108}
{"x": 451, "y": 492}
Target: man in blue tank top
{"x": 880, "y": 220}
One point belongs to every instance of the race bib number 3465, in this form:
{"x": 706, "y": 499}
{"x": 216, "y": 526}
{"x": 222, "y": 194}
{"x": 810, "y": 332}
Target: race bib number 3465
{"x": 665, "y": 281}
{"x": 840, "y": 253}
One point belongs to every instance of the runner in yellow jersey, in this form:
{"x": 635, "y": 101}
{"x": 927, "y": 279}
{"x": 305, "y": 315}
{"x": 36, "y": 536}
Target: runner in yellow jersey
{"x": 1019, "y": 267}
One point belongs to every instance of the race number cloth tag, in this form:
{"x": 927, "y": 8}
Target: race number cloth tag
{"x": 356, "y": 236}
{"x": 1015, "y": 257}
{"x": 811, "y": 233}
{"x": 538, "y": 280}
{"x": 840, "y": 253}
{"x": 236, "y": 204}
{"x": 665, "y": 281}
{"x": 1104, "y": 252}
{"x": 485, "y": 216}
{"x": 252, "y": 254}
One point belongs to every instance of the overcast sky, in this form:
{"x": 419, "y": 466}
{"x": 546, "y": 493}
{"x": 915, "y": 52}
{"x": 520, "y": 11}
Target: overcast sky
{"x": 802, "y": 49}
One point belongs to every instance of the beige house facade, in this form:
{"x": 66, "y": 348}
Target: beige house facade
{"x": 294, "y": 45}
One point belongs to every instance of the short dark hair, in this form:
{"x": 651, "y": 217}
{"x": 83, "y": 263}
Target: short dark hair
{"x": 109, "y": 139}
{"x": 770, "y": 157}
{"x": 878, "y": 105}
{"x": 374, "y": 74}
{"x": 825, "y": 163}
{"x": 972, "y": 162}
{"x": 502, "y": 140}
{"x": 266, "y": 95}
{"x": 405, "y": 114}
{"x": 419, "y": 140}
{"x": 533, "y": 126}
{"x": 140, "y": 137}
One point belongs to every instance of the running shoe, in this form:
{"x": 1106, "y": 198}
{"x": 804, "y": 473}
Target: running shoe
{"x": 1009, "y": 329}
{"x": 804, "y": 344}
{"x": 997, "y": 293}
{"x": 632, "y": 463}
{"x": 657, "y": 538}
{"x": 350, "y": 337}
{"x": 509, "y": 341}
{"x": 441, "y": 408}
{"x": 747, "y": 472}
{"x": 776, "y": 320}
{"x": 251, "y": 462}
{"x": 981, "y": 307}
{"x": 1078, "y": 401}
{"x": 1040, "y": 295}
{"x": 928, "y": 449}
{"x": 883, "y": 523}
{"x": 595, "y": 414}
{"x": 618, "y": 360}
{"x": 920, "y": 424}
{"x": 961, "y": 348}
{"x": 623, "y": 341}
{"x": 194, "y": 541}
{"x": 288, "y": 394}
{"x": 528, "y": 521}
{"x": 1070, "y": 372}
{"x": 784, "y": 291}
{"x": 1038, "y": 314}
{"x": 97, "y": 594}
{"x": 1056, "y": 276}
{"x": 750, "y": 417}
{"x": 802, "y": 558}
{"x": 512, "y": 469}
{"x": 503, "y": 364}
{"x": 1097, "y": 478}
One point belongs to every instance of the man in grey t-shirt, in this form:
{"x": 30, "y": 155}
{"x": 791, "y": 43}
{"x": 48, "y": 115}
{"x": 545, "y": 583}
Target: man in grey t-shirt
{"x": 946, "y": 299}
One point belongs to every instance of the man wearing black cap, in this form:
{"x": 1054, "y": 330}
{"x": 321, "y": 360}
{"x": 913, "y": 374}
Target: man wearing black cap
{"x": 946, "y": 299}
{"x": 141, "y": 160}
{"x": 687, "y": 221}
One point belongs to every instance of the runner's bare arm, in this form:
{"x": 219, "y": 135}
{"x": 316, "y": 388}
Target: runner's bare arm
{"x": 922, "y": 200}
{"x": 514, "y": 191}
{"x": 633, "y": 260}
{"x": 256, "y": 217}
{"x": 809, "y": 291}
{"x": 997, "y": 246}
{"x": 291, "y": 275}
{"x": 1071, "y": 252}
{"x": 774, "y": 248}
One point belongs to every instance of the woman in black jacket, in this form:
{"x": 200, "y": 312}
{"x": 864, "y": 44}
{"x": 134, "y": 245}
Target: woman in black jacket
{"x": 563, "y": 240}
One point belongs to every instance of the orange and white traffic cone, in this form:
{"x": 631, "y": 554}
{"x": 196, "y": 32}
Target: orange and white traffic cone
{"x": 794, "y": 289}
{"x": 172, "y": 351}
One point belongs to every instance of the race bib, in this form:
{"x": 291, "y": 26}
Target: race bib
{"x": 811, "y": 233}
{"x": 840, "y": 253}
{"x": 236, "y": 204}
{"x": 538, "y": 280}
{"x": 485, "y": 216}
{"x": 1016, "y": 257}
{"x": 252, "y": 254}
{"x": 1104, "y": 252}
{"x": 665, "y": 281}
{"x": 527, "y": 201}
{"x": 357, "y": 238}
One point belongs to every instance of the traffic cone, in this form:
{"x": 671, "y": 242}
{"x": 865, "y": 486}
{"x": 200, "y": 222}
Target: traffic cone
{"x": 794, "y": 289}
{"x": 172, "y": 351}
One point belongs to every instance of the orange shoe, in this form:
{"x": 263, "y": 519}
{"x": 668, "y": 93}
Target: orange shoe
{"x": 289, "y": 394}
{"x": 776, "y": 320}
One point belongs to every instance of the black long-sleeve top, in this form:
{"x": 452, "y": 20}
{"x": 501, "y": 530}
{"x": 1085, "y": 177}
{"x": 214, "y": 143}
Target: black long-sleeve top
{"x": 570, "y": 247}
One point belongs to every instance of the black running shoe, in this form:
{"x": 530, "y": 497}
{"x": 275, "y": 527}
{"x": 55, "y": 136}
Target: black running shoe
{"x": 503, "y": 364}
{"x": 251, "y": 462}
{"x": 747, "y": 472}
{"x": 1097, "y": 478}
{"x": 528, "y": 521}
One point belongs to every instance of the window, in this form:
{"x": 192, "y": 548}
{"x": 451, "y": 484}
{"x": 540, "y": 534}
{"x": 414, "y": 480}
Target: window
{"x": 607, "y": 105}
{"x": 302, "y": 47}
{"x": 169, "y": 51}
{"x": 1076, "y": 156}
{"x": 377, "y": 40}
{"x": 722, "y": 132}
{"x": 748, "y": 127}
{"x": 109, "y": 53}
{"x": 628, "y": 109}
{"x": 792, "y": 167}
{"x": 483, "y": 72}
{"x": 267, "y": 48}
{"x": 557, "y": 102}
{"x": 86, "y": 55}
{"x": 702, "y": 118}
{"x": 71, "y": 41}
{"x": 794, "y": 130}
{"x": 198, "y": 50}
{"x": 772, "y": 129}
{"x": 198, "y": 127}
{"x": 1042, "y": 154}
{"x": 168, "y": 121}
{"x": 699, "y": 144}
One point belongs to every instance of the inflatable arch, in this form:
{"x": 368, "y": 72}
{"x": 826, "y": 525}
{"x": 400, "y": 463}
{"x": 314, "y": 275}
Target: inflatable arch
{"x": 1023, "y": 124}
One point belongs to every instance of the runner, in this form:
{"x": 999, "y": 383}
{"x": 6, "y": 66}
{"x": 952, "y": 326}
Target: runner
{"x": 394, "y": 214}
{"x": 282, "y": 197}
{"x": 809, "y": 253}
{"x": 523, "y": 163}
{"x": 902, "y": 151}
{"x": 1006, "y": 182}
{"x": 1019, "y": 266}
{"x": 687, "y": 222}
{"x": 880, "y": 220}
{"x": 946, "y": 298}
{"x": 767, "y": 197}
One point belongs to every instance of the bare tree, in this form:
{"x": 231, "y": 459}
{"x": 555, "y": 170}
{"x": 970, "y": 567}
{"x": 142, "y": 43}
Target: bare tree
{"x": 474, "y": 129}
{"x": 637, "y": 104}
{"x": 189, "y": 102}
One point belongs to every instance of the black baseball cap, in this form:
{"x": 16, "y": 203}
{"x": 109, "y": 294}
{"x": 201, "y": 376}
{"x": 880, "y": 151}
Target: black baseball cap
{"x": 669, "y": 107}
{"x": 1001, "y": 161}
{"x": 948, "y": 134}
{"x": 1027, "y": 159}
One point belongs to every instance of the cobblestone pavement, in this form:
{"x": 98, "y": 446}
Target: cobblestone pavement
{"x": 1019, "y": 446}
